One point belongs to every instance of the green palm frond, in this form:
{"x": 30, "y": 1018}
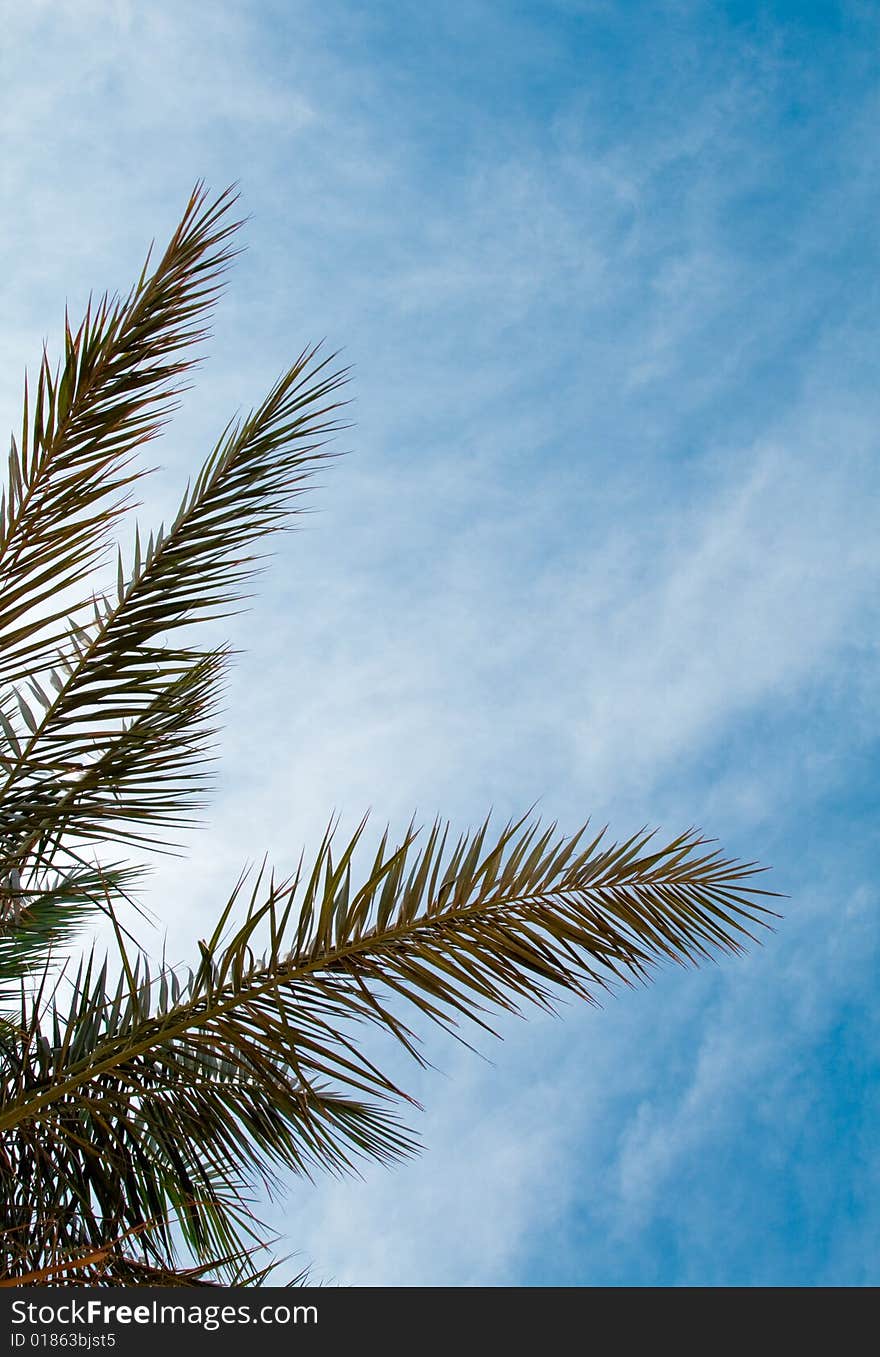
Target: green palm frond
{"x": 148, "y": 778}
{"x": 152, "y": 770}
{"x": 113, "y": 1263}
{"x": 113, "y": 676}
{"x": 44, "y": 913}
{"x": 111, "y": 393}
{"x": 113, "y": 744}
{"x": 253, "y": 1063}
{"x": 176, "y": 1138}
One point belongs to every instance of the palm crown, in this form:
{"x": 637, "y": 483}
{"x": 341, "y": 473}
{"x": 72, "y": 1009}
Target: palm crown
{"x": 142, "y": 1105}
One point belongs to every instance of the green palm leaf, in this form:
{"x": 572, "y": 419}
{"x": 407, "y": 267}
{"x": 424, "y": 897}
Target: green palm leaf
{"x": 113, "y": 677}
{"x": 112, "y": 393}
{"x": 45, "y": 915}
{"x": 254, "y": 1063}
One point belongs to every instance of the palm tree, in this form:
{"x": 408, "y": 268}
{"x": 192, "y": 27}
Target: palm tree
{"x": 143, "y": 1105}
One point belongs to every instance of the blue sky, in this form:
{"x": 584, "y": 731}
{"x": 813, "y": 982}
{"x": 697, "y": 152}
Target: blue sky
{"x": 606, "y": 538}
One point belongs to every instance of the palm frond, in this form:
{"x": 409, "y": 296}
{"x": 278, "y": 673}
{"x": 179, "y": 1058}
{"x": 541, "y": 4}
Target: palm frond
{"x": 146, "y": 781}
{"x": 114, "y": 1263}
{"x": 183, "y": 1145}
{"x": 113, "y": 744}
{"x": 114, "y": 677}
{"x": 153, "y": 770}
{"x": 112, "y": 393}
{"x": 253, "y": 1063}
{"x": 42, "y": 915}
